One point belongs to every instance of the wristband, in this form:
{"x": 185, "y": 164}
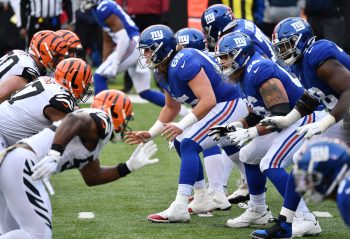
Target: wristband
{"x": 187, "y": 121}
{"x": 156, "y": 128}
{"x": 58, "y": 148}
{"x": 123, "y": 169}
{"x": 327, "y": 121}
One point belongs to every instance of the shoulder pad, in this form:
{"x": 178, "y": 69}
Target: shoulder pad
{"x": 103, "y": 122}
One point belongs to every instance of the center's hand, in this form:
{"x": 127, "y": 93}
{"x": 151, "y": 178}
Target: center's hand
{"x": 171, "y": 131}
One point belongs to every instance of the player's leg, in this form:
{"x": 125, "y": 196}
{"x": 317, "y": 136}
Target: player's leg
{"x": 27, "y": 200}
{"x": 257, "y": 211}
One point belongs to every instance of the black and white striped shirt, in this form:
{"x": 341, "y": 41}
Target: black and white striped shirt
{"x": 44, "y": 9}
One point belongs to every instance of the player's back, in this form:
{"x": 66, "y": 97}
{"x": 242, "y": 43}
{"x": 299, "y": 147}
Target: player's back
{"x": 23, "y": 114}
{"x": 75, "y": 154}
{"x": 107, "y": 8}
{"x": 185, "y": 65}
{"x": 18, "y": 63}
{"x": 262, "y": 43}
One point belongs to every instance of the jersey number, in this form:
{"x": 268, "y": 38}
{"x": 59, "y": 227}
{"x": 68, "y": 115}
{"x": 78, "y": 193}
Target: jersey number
{"x": 7, "y": 64}
{"x": 31, "y": 89}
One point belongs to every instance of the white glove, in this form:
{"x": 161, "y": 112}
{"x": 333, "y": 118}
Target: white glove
{"x": 316, "y": 128}
{"x": 46, "y": 166}
{"x": 281, "y": 122}
{"x": 111, "y": 71}
{"x": 218, "y": 131}
{"x": 241, "y": 136}
{"x": 141, "y": 156}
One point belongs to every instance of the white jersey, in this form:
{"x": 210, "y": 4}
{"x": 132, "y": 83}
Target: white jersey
{"x": 75, "y": 154}
{"x": 19, "y": 63}
{"x": 23, "y": 114}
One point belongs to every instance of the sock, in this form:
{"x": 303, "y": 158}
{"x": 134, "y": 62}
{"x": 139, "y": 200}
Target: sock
{"x": 190, "y": 162}
{"x": 239, "y": 164}
{"x": 279, "y": 178}
{"x": 199, "y": 185}
{"x": 100, "y": 83}
{"x": 289, "y": 214}
{"x": 214, "y": 168}
{"x": 257, "y": 200}
{"x": 181, "y": 198}
{"x": 256, "y": 180}
{"x": 228, "y": 166}
{"x": 291, "y": 198}
{"x": 184, "y": 189}
{"x": 302, "y": 207}
{"x": 153, "y": 96}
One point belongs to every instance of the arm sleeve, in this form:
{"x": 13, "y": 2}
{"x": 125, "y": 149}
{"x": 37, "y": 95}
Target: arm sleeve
{"x": 121, "y": 39}
{"x": 63, "y": 102}
{"x": 29, "y": 74}
{"x": 104, "y": 11}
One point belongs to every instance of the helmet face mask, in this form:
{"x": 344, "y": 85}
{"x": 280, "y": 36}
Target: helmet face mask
{"x": 287, "y": 50}
{"x": 148, "y": 56}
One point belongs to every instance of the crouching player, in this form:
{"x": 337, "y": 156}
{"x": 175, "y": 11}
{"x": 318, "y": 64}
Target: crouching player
{"x": 74, "y": 142}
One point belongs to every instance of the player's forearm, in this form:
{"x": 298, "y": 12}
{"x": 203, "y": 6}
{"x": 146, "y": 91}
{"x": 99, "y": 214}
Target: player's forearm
{"x": 342, "y": 106}
{"x": 168, "y": 114}
{"x": 121, "y": 39}
{"x": 203, "y": 107}
{"x": 104, "y": 175}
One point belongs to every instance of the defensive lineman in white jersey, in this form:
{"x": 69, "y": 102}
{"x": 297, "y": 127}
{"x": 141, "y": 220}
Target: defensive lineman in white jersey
{"x": 75, "y": 143}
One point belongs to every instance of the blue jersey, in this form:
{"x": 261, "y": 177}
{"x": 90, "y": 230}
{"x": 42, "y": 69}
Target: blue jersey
{"x": 262, "y": 43}
{"x": 306, "y": 68}
{"x": 106, "y": 8}
{"x": 343, "y": 200}
{"x": 259, "y": 70}
{"x": 184, "y": 66}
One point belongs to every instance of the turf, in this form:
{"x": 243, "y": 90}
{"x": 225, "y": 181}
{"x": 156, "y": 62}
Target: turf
{"x": 121, "y": 207}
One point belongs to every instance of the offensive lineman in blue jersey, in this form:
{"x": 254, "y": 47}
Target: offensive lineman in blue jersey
{"x": 323, "y": 172}
{"x": 188, "y": 76}
{"x": 120, "y": 36}
{"x": 269, "y": 90}
{"x": 323, "y": 69}
{"x": 218, "y": 20}
{"x": 217, "y": 170}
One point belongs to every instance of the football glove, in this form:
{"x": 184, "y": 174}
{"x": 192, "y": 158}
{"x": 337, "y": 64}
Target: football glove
{"x": 281, "y": 122}
{"x": 218, "y": 131}
{"x": 46, "y": 166}
{"x": 316, "y": 128}
{"x": 241, "y": 136}
{"x": 141, "y": 156}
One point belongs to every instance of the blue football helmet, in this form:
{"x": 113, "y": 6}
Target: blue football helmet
{"x": 217, "y": 20}
{"x": 160, "y": 41}
{"x": 191, "y": 38}
{"x": 320, "y": 167}
{"x": 291, "y": 37}
{"x": 233, "y": 51}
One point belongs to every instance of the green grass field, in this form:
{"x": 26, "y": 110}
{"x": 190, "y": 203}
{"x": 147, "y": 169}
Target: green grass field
{"x": 121, "y": 207}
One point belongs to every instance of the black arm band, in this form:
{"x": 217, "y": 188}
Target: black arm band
{"x": 58, "y": 148}
{"x": 280, "y": 109}
{"x": 123, "y": 170}
{"x": 306, "y": 104}
{"x": 253, "y": 119}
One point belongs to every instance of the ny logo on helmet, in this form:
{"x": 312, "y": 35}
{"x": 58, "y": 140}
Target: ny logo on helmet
{"x": 240, "y": 41}
{"x": 298, "y": 26}
{"x": 157, "y": 35}
{"x": 184, "y": 39}
{"x": 210, "y": 18}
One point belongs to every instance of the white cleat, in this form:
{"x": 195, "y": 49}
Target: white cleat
{"x": 202, "y": 202}
{"x": 241, "y": 194}
{"x": 305, "y": 224}
{"x": 252, "y": 216}
{"x": 221, "y": 201}
{"x": 175, "y": 213}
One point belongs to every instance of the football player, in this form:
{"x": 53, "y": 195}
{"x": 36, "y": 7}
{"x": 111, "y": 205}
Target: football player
{"x": 120, "y": 37}
{"x": 74, "y": 142}
{"x": 44, "y": 101}
{"x": 188, "y": 76}
{"x": 17, "y": 68}
{"x": 322, "y": 172}
{"x": 218, "y": 20}
{"x": 218, "y": 171}
{"x": 323, "y": 69}
{"x": 269, "y": 90}
{"x": 75, "y": 49}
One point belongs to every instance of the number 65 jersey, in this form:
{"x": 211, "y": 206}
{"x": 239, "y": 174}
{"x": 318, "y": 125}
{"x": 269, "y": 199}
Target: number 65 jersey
{"x": 19, "y": 63}
{"x": 23, "y": 114}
